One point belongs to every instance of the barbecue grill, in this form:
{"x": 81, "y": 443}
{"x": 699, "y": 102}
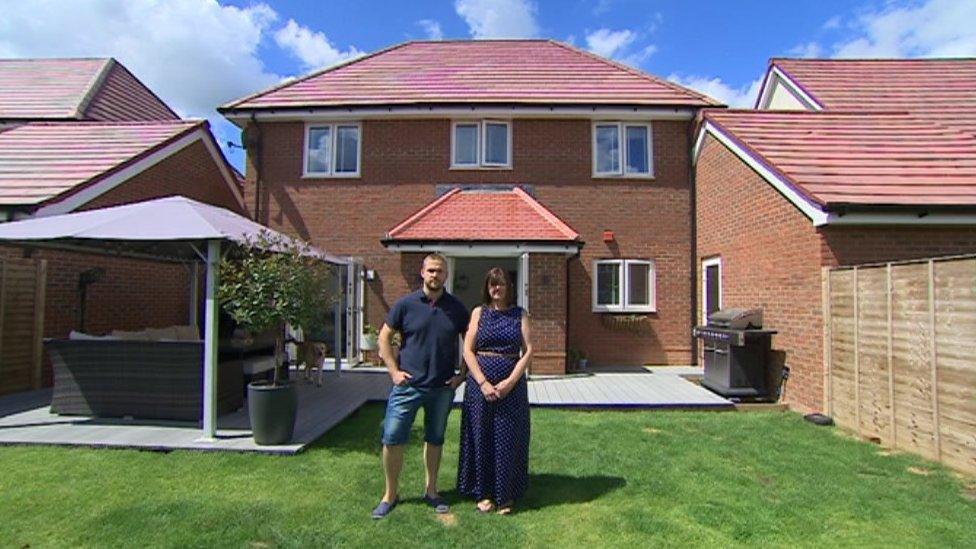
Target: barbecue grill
{"x": 736, "y": 353}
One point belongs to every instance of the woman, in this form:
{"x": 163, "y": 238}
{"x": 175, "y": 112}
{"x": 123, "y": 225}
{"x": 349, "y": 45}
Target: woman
{"x": 494, "y": 462}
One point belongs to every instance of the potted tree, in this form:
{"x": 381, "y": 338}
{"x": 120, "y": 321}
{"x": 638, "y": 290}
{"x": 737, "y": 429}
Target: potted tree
{"x": 271, "y": 283}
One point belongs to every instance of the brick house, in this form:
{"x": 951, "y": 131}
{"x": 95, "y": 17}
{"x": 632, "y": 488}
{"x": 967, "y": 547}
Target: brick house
{"x": 847, "y": 162}
{"x": 570, "y": 171}
{"x": 78, "y": 134}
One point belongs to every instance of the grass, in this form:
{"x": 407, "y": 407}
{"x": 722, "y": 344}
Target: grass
{"x": 597, "y": 478}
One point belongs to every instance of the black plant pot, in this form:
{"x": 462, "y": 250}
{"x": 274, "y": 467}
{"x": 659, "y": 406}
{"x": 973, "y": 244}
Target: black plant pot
{"x": 272, "y": 409}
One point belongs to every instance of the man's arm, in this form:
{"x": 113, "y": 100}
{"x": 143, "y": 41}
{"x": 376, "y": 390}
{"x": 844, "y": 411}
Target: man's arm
{"x": 398, "y": 376}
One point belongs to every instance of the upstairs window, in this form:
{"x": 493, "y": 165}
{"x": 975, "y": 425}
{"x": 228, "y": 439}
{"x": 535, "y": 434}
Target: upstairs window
{"x": 624, "y": 286}
{"x": 332, "y": 150}
{"x": 622, "y": 149}
{"x": 481, "y": 144}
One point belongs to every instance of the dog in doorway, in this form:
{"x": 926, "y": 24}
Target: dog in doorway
{"x": 311, "y": 355}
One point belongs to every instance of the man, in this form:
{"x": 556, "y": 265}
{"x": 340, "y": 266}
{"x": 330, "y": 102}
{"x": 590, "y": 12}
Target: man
{"x": 430, "y": 321}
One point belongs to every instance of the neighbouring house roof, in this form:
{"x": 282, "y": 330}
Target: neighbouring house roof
{"x": 486, "y": 216}
{"x": 44, "y": 162}
{"x": 835, "y": 159}
{"x": 75, "y": 89}
{"x": 944, "y": 90}
{"x": 539, "y": 72}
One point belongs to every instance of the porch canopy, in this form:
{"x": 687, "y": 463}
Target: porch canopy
{"x": 175, "y": 229}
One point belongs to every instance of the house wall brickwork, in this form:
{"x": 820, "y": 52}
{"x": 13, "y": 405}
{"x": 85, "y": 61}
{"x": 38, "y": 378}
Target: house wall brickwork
{"x": 404, "y": 160}
{"x": 772, "y": 257}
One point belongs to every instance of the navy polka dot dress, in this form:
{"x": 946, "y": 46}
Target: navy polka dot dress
{"x": 494, "y": 461}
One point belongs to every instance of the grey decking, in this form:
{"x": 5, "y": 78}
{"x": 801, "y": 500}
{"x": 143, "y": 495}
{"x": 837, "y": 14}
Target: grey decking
{"x": 25, "y": 417}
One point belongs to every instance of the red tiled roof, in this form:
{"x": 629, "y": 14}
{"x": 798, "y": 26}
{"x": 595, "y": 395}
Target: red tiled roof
{"x": 79, "y": 89}
{"x": 944, "y": 90}
{"x": 476, "y": 71}
{"x": 484, "y": 215}
{"x": 41, "y": 160}
{"x": 859, "y": 158}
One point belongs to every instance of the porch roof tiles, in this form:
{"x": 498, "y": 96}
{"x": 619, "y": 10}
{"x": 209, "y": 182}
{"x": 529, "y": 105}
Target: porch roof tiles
{"x": 476, "y": 71}
{"x": 484, "y": 215}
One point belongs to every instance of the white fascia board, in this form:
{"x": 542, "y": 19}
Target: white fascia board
{"x": 776, "y": 76}
{"x": 809, "y": 209}
{"x": 484, "y": 249}
{"x": 379, "y": 113}
{"x": 906, "y": 218}
{"x": 71, "y": 203}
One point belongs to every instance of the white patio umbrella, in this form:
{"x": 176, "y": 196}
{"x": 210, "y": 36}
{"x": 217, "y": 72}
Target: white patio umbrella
{"x": 174, "y": 228}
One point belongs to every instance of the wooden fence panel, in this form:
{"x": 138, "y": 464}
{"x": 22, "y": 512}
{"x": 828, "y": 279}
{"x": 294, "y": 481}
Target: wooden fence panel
{"x": 902, "y": 358}
{"x": 955, "y": 338}
{"x": 842, "y": 353}
{"x": 18, "y": 327}
{"x": 872, "y": 348}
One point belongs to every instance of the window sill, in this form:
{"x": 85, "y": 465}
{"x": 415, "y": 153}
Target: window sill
{"x": 331, "y": 176}
{"x": 615, "y": 176}
{"x": 480, "y": 168}
{"x": 627, "y": 311}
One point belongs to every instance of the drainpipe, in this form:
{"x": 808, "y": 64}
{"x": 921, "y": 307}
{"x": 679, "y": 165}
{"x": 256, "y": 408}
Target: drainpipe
{"x": 693, "y": 208}
{"x": 252, "y": 144}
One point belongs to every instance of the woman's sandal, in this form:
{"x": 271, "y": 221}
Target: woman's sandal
{"x": 506, "y": 508}
{"x": 485, "y": 506}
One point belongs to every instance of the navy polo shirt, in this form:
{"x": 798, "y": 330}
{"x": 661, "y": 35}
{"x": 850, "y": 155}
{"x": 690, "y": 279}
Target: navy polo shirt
{"x": 429, "y": 351}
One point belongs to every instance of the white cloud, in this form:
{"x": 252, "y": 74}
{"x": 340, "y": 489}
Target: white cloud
{"x": 832, "y": 23}
{"x": 808, "y": 50}
{"x": 499, "y": 18}
{"x": 432, "y": 29}
{"x": 742, "y": 97}
{"x": 602, "y": 6}
{"x": 618, "y": 45}
{"x": 936, "y": 28}
{"x": 608, "y": 43}
{"x": 312, "y": 48}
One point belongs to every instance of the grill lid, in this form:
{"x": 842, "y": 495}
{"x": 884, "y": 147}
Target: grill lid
{"x": 736, "y": 319}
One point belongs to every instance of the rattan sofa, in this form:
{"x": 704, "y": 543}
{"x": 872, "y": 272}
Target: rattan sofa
{"x": 139, "y": 379}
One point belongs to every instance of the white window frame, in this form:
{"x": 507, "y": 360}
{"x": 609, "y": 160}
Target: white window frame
{"x": 333, "y": 137}
{"x": 624, "y": 306}
{"x": 711, "y": 262}
{"x": 622, "y": 150}
{"x": 482, "y": 147}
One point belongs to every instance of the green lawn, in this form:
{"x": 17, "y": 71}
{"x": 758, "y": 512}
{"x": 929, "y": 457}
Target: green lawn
{"x": 597, "y": 478}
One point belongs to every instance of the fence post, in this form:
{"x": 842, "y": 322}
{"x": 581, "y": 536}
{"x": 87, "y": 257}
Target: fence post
{"x": 3, "y": 302}
{"x": 825, "y": 311}
{"x": 933, "y": 356}
{"x": 857, "y": 356}
{"x": 891, "y": 363}
{"x": 40, "y": 295}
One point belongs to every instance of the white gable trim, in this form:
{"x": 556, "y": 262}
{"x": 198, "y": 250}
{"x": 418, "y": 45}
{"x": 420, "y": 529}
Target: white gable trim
{"x": 809, "y": 209}
{"x": 776, "y": 76}
{"x": 76, "y": 200}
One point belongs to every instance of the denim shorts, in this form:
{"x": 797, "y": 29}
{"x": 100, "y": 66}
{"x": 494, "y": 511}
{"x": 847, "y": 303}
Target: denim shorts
{"x": 402, "y": 407}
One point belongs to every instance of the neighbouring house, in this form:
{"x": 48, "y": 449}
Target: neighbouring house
{"x": 846, "y": 162}
{"x": 569, "y": 170}
{"x": 78, "y": 134}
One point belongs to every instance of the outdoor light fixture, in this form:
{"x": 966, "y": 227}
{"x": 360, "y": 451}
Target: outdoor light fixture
{"x": 608, "y": 236}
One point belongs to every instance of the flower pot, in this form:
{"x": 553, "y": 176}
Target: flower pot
{"x": 369, "y": 342}
{"x": 582, "y": 364}
{"x": 272, "y": 409}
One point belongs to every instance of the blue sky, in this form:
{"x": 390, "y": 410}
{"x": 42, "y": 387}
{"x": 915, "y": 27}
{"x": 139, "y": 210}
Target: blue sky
{"x": 198, "y": 54}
